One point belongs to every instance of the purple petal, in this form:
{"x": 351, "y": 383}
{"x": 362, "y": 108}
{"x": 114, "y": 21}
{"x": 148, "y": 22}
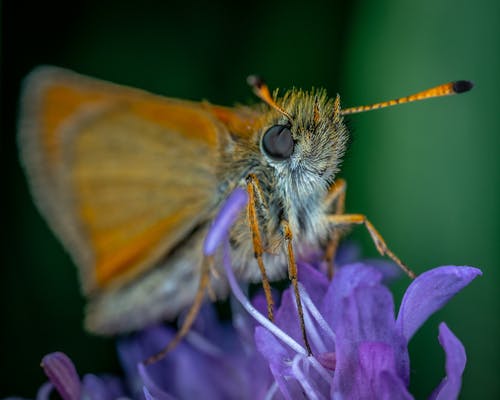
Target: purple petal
{"x": 102, "y": 387}
{"x": 185, "y": 372}
{"x": 243, "y": 322}
{"x": 260, "y": 303}
{"x": 62, "y": 373}
{"x": 374, "y": 376}
{"x": 24, "y": 398}
{"x": 136, "y": 348}
{"x": 357, "y": 306}
{"x": 151, "y": 389}
{"x": 449, "y": 388}
{"x": 377, "y": 374}
{"x": 366, "y": 314}
{"x": 163, "y": 396}
{"x": 212, "y": 365}
{"x": 287, "y": 317}
{"x": 219, "y": 334}
{"x": 147, "y": 395}
{"x": 346, "y": 278}
{"x": 224, "y": 220}
{"x": 94, "y": 388}
{"x": 208, "y": 375}
{"x": 315, "y": 282}
{"x": 247, "y": 305}
{"x": 393, "y": 387}
{"x": 44, "y": 391}
{"x": 349, "y": 252}
{"x": 428, "y": 293}
{"x": 279, "y": 359}
{"x": 327, "y": 360}
{"x": 390, "y": 270}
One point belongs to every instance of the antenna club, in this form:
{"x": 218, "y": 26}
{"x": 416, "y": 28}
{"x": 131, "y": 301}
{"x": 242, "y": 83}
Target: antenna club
{"x": 462, "y": 86}
{"x": 255, "y": 81}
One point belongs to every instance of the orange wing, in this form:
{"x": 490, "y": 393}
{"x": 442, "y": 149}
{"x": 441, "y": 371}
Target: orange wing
{"x": 241, "y": 121}
{"x": 121, "y": 175}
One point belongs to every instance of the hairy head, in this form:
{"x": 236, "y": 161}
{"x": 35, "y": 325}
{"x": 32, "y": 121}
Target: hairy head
{"x": 305, "y": 144}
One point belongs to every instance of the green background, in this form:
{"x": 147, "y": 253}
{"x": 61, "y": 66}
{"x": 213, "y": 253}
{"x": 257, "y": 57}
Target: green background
{"x": 427, "y": 174}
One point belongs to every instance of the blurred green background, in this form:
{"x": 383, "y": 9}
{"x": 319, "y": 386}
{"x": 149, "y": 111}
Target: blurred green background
{"x": 427, "y": 174}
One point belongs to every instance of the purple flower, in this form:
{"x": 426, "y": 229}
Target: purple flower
{"x": 215, "y": 361}
{"x": 64, "y": 378}
{"x": 359, "y": 345}
{"x": 355, "y": 336}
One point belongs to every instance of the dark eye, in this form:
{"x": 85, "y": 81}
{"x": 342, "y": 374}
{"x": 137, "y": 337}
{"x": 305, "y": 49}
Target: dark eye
{"x": 278, "y": 143}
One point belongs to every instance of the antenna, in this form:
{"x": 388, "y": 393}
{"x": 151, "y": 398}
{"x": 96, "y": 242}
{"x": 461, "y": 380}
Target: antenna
{"x": 446, "y": 89}
{"x": 262, "y": 91}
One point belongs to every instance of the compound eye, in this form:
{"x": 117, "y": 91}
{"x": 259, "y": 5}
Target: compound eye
{"x": 278, "y": 142}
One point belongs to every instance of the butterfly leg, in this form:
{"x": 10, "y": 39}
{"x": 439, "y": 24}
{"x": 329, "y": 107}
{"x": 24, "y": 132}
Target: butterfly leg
{"x": 191, "y": 315}
{"x": 292, "y": 275}
{"x": 378, "y": 240}
{"x": 336, "y": 196}
{"x": 255, "y": 194}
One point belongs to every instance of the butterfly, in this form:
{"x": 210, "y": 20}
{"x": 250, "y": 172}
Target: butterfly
{"x": 130, "y": 182}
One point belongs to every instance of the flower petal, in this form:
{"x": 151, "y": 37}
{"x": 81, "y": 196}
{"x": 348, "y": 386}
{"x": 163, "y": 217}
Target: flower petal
{"x": 345, "y": 279}
{"x": 348, "y": 252}
{"x": 162, "y": 395}
{"x": 358, "y": 306}
{"x": 201, "y": 366}
{"x": 390, "y": 270}
{"x": 245, "y": 302}
{"x": 378, "y": 373}
{"x": 150, "y": 388}
{"x": 287, "y": 317}
{"x": 136, "y": 348}
{"x": 44, "y": 391}
{"x": 62, "y": 373}
{"x": 375, "y": 375}
{"x": 366, "y": 315}
{"x": 147, "y": 395}
{"x": 315, "y": 281}
{"x": 428, "y": 293}
{"x": 225, "y": 218}
{"x": 203, "y": 375}
{"x": 327, "y": 360}
{"x": 104, "y": 387}
{"x": 392, "y": 387}
{"x": 279, "y": 359}
{"x": 449, "y": 388}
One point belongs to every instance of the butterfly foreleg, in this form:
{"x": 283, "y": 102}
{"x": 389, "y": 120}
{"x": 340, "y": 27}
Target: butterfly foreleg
{"x": 255, "y": 199}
